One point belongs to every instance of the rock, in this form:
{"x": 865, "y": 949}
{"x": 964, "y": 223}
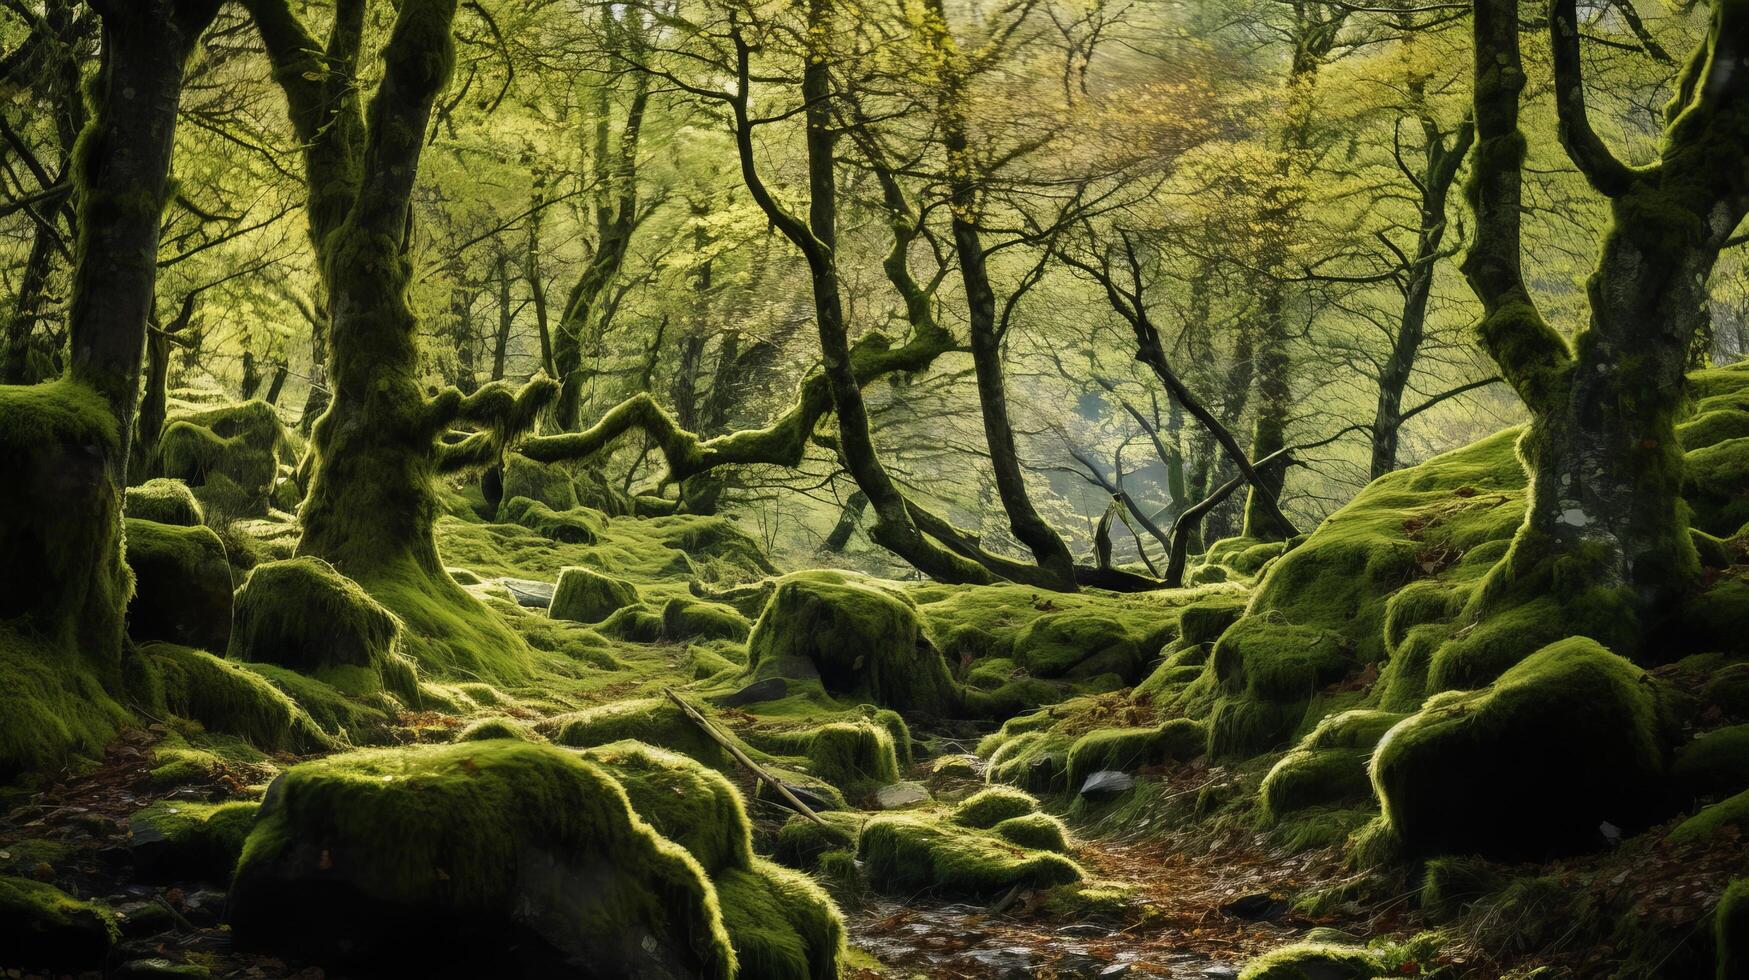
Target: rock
{"x": 1220, "y": 971}
{"x": 529, "y": 593}
{"x": 1081, "y": 965}
{"x": 139, "y": 919}
{"x": 769, "y": 689}
{"x": 42, "y": 926}
{"x": 812, "y": 798}
{"x": 1115, "y": 970}
{"x": 897, "y": 796}
{"x": 693, "y": 619}
{"x": 584, "y": 595}
{"x": 1106, "y": 784}
{"x": 182, "y": 585}
{"x": 165, "y": 501}
{"x": 173, "y": 839}
{"x": 1014, "y": 963}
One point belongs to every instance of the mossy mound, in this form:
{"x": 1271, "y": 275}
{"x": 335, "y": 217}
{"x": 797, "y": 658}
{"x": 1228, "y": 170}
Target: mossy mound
{"x": 906, "y": 854}
{"x": 638, "y": 623}
{"x": 182, "y": 585}
{"x": 63, "y": 585}
{"x": 801, "y": 842}
{"x": 579, "y": 525}
{"x": 1129, "y": 749}
{"x": 44, "y": 927}
{"x": 686, "y": 802}
{"x": 1314, "y": 961}
{"x": 692, "y": 619}
{"x": 1329, "y": 766}
{"x": 500, "y": 857}
{"x": 490, "y": 729}
{"x": 165, "y": 501}
{"x": 1714, "y": 764}
{"x": 782, "y": 926}
{"x": 1036, "y": 760}
{"x": 180, "y": 840}
{"x": 229, "y": 455}
{"x": 1078, "y": 644}
{"x": 543, "y": 483}
{"x": 1728, "y": 690}
{"x": 653, "y": 721}
{"x": 1531, "y": 765}
{"x": 1731, "y": 931}
{"x": 987, "y": 808}
{"x": 854, "y": 756}
{"x": 1036, "y": 831}
{"x": 860, "y": 641}
{"x": 303, "y": 615}
{"x": 224, "y": 697}
{"x": 1730, "y": 812}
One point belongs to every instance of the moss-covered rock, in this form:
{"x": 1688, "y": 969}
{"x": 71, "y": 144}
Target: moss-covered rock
{"x": 44, "y": 927}
{"x": 691, "y": 619}
{"x": 1730, "y": 812}
{"x": 225, "y": 697}
{"x": 304, "y": 615}
{"x": 907, "y": 854}
{"x": 855, "y": 757}
{"x": 1715, "y": 764}
{"x": 1314, "y": 961}
{"x": 1129, "y": 749}
{"x": 638, "y": 623}
{"x": 1329, "y": 766}
{"x": 1731, "y": 931}
{"x": 490, "y": 729}
{"x": 1078, "y": 644}
{"x": 230, "y": 455}
{"x": 987, "y": 808}
{"x": 781, "y": 924}
{"x": 579, "y": 525}
{"x": 164, "y": 501}
{"x": 685, "y": 801}
{"x": 500, "y": 857}
{"x": 585, "y": 595}
{"x": 182, "y": 585}
{"x": 1530, "y": 765}
{"x": 544, "y": 483}
{"x": 182, "y": 840}
{"x": 1036, "y": 831}
{"x": 1728, "y": 690}
{"x": 801, "y": 842}
{"x": 859, "y": 640}
{"x": 653, "y": 721}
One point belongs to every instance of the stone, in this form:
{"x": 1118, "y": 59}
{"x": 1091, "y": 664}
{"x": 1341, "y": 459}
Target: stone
{"x": 529, "y": 593}
{"x": 769, "y": 689}
{"x": 897, "y": 796}
{"x": 1107, "y": 783}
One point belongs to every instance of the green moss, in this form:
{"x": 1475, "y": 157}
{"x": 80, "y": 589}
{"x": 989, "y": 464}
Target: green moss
{"x": 1731, "y": 931}
{"x": 655, "y": 721}
{"x": 226, "y": 698}
{"x": 350, "y": 719}
{"x": 1728, "y": 690}
{"x": 1715, "y": 764}
{"x": 42, "y": 926}
{"x": 446, "y": 631}
{"x": 1533, "y": 764}
{"x": 449, "y": 853}
{"x": 1129, "y": 749}
{"x": 55, "y": 705}
{"x": 987, "y": 808}
{"x": 691, "y": 619}
{"x": 1035, "y": 831}
{"x": 1329, "y": 766}
{"x": 896, "y": 728}
{"x": 1037, "y": 761}
{"x": 781, "y": 924}
{"x": 542, "y": 483}
{"x": 584, "y": 595}
{"x": 182, "y": 840}
{"x": 164, "y": 501}
{"x": 686, "y": 802}
{"x": 1730, "y": 812}
{"x": 489, "y": 729}
{"x": 855, "y": 757}
{"x": 303, "y": 615}
{"x": 907, "y": 854}
{"x": 634, "y": 624}
{"x": 1713, "y": 481}
{"x": 801, "y": 842}
{"x": 859, "y": 640}
{"x": 182, "y": 585}
{"x": 1104, "y": 900}
{"x": 1717, "y": 618}
{"x": 1451, "y": 884}
{"x": 1314, "y": 961}
{"x": 235, "y": 450}
{"x": 1269, "y": 674}
{"x": 579, "y": 525}
{"x": 1078, "y": 644}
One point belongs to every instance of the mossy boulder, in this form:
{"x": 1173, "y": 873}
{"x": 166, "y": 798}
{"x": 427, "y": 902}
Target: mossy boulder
{"x": 1329, "y": 766}
{"x": 1730, "y": 812}
{"x": 503, "y": 858}
{"x": 1731, "y": 931}
{"x": 1037, "y": 831}
{"x": 585, "y": 595}
{"x": 165, "y": 501}
{"x": 227, "y": 698}
{"x": 182, "y": 585}
{"x": 1078, "y": 644}
{"x": 44, "y": 927}
{"x": 544, "y": 483}
{"x": 638, "y": 623}
{"x": 859, "y": 640}
{"x": 579, "y": 525}
{"x": 906, "y": 854}
{"x": 1314, "y": 961}
{"x": 303, "y": 615}
{"x": 1268, "y": 673}
{"x": 1714, "y": 764}
{"x": 693, "y": 619}
{"x": 1129, "y": 749}
{"x": 653, "y": 721}
{"x": 181, "y": 840}
{"x": 230, "y": 455}
{"x": 685, "y": 801}
{"x": 1728, "y": 690}
{"x": 782, "y": 926}
{"x": 1531, "y": 765}
{"x": 987, "y": 808}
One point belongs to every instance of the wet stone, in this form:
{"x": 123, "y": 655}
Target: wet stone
{"x": 1106, "y": 784}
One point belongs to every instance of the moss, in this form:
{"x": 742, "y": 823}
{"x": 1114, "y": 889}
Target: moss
{"x": 686, "y": 802}
{"x": 907, "y": 854}
{"x": 655, "y": 721}
{"x": 1035, "y": 831}
{"x": 579, "y": 525}
{"x": 859, "y": 640}
{"x": 304, "y": 615}
{"x": 1717, "y": 618}
{"x": 1713, "y": 481}
{"x": 1104, "y": 900}
{"x": 1715, "y": 764}
{"x": 1730, "y": 812}
{"x": 1129, "y": 749}
{"x": 226, "y": 698}
{"x": 1451, "y": 884}
{"x": 164, "y": 501}
{"x": 1314, "y": 961}
{"x": 183, "y": 840}
{"x": 691, "y": 619}
{"x": 896, "y": 728}
{"x": 855, "y": 757}
{"x": 1731, "y": 931}
{"x": 987, "y": 808}
{"x": 350, "y": 719}
{"x": 1533, "y": 764}
{"x": 1728, "y": 690}
{"x": 801, "y": 842}
{"x": 489, "y": 729}
{"x": 1315, "y": 827}
{"x": 781, "y": 924}
{"x": 54, "y": 706}
{"x": 542, "y": 483}
{"x": 1329, "y": 766}
{"x": 584, "y": 595}
{"x": 445, "y": 631}
{"x": 42, "y": 926}
{"x": 182, "y": 585}
{"x": 1078, "y": 644}
{"x": 634, "y": 624}
{"x": 1269, "y": 675}
{"x": 235, "y": 450}
{"x": 452, "y": 854}
{"x": 1037, "y": 761}
{"x": 1204, "y": 622}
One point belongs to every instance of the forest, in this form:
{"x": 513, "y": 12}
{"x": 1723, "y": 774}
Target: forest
{"x": 808, "y": 489}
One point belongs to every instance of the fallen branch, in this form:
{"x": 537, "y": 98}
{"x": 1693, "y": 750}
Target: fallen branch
{"x": 735, "y": 750}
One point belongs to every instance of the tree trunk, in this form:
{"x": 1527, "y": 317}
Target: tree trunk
{"x": 26, "y": 310}
{"x": 848, "y": 519}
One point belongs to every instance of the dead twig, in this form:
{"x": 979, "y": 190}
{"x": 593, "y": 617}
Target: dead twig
{"x": 735, "y": 750}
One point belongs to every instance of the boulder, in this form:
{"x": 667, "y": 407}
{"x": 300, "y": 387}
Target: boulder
{"x": 182, "y": 585}
{"x": 44, "y": 927}
{"x": 165, "y": 501}
{"x": 304, "y": 615}
{"x": 584, "y": 595}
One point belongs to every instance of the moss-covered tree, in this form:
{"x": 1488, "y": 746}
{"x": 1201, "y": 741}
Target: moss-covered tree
{"x": 1606, "y": 529}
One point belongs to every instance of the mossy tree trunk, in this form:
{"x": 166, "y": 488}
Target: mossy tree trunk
{"x": 1605, "y": 516}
